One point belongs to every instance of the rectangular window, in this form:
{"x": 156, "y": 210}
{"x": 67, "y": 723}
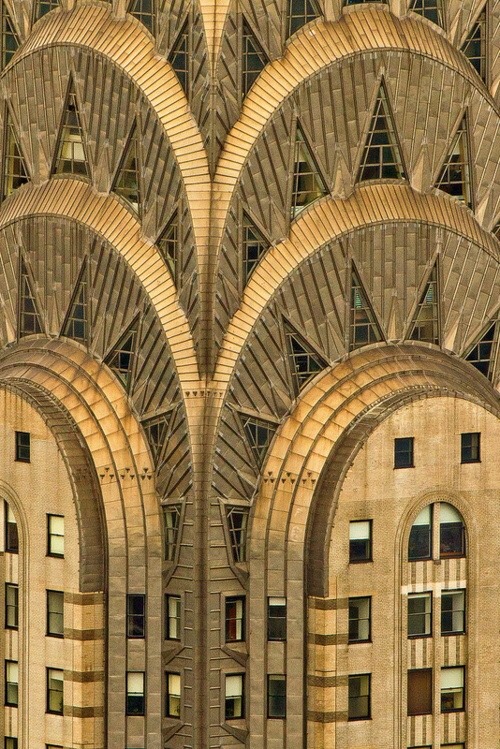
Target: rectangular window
{"x": 452, "y": 689}
{"x": 55, "y": 613}
{"x": 420, "y": 543}
{"x": 360, "y": 541}
{"x": 173, "y": 617}
{"x": 453, "y": 612}
{"x": 136, "y": 615}
{"x": 55, "y": 535}
{"x": 234, "y": 696}
{"x": 276, "y": 618}
{"x": 11, "y": 683}
{"x": 276, "y": 696}
{"x": 23, "y": 447}
{"x": 10, "y": 742}
{"x": 135, "y": 700}
{"x": 173, "y": 707}
{"x": 470, "y": 447}
{"x": 11, "y": 606}
{"x": 420, "y": 691}
{"x": 451, "y": 532}
{"x": 359, "y": 619}
{"x": 403, "y": 452}
{"x": 359, "y": 697}
{"x": 235, "y": 619}
{"x": 171, "y": 521}
{"x": 55, "y": 683}
{"x": 11, "y": 532}
{"x": 419, "y": 614}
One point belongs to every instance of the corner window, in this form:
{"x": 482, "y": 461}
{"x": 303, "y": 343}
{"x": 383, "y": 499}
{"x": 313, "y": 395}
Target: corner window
{"x": 420, "y": 691}
{"x": 360, "y": 541}
{"x": 234, "y": 696}
{"x": 403, "y": 452}
{"x": 11, "y": 606}
{"x": 276, "y": 618}
{"x": 470, "y": 451}
{"x": 55, "y": 535}
{"x": 419, "y": 614}
{"x": 359, "y": 697}
{"x": 173, "y": 617}
{"x": 55, "y": 684}
{"x": 276, "y": 696}
{"x": 359, "y": 619}
{"x": 235, "y": 619}
{"x": 23, "y": 447}
{"x": 12, "y": 683}
{"x": 452, "y": 689}
{"x": 11, "y": 531}
{"x": 452, "y": 612}
{"x": 135, "y": 700}
{"x": 136, "y": 615}
{"x": 55, "y": 613}
{"x": 173, "y": 707}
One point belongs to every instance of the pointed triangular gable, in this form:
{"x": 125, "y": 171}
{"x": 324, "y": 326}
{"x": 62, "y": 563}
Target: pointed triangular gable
{"x": 179, "y": 58}
{"x": 144, "y": 10}
{"x": 259, "y": 434}
{"x": 121, "y": 357}
{"x": 308, "y": 184}
{"x": 482, "y": 354}
{"x": 45, "y": 6}
{"x": 475, "y": 46}
{"x": 70, "y": 149}
{"x": 305, "y": 363}
{"x": 10, "y": 40}
{"x": 425, "y": 324}
{"x": 430, "y": 9}
{"x": 168, "y": 244}
{"x": 300, "y": 12}
{"x": 156, "y": 431}
{"x": 364, "y": 327}
{"x": 30, "y": 321}
{"x": 76, "y": 322}
{"x": 15, "y": 172}
{"x": 254, "y": 246}
{"x": 455, "y": 176}
{"x": 381, "y": 158}
{"x": 254, "y": 59}
{"x": 127, "y": 183}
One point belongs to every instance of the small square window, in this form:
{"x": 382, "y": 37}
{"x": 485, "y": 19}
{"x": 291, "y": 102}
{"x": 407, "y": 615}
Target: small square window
{"x": 234, "y": 706}
{"x": 470, "y": 447}
{"x": 55, "y": 613}
{"x": 135, "y": 701}
{"x": 403, "y": 452}
{"x": 136, "y": 615}
{"x": 420, "y": 691}
{"x": 360, "y": 541}
{"x": 359, "y": 619}
{"x": 11, "y": 606}
{"x": 173, "y": 617}
{"x": 419, "y": 614}
{"x": 55, "y": 684}
{"x": 359, "y": 697}
{"x": 235, "y": 619}
{"x": 11, "y": 531}
{"x": 276, "y": 618}
{"x": 276, "y": 696}
{"x": 452, "y": 689}
{"x": 55, "y": 535}
{"x": 11, "y": 683}
{"x": 23, "y": 447}
{"x": 173, "y": 707}
{"x": 452, "y": 612}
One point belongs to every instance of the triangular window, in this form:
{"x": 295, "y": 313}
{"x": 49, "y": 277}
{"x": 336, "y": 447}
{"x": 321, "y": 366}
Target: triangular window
{"x": 254, "y": 59}
{"x": 259, "y": 434}
{"x": 168, "y": 243}
{"x": 144, "y": 11}
{"x": 482, "y": 354}
{"x": 76, "y": 323}
{"x": 179, "y": 58}
{"x": 300, "y": 12}
{"x": 364, "y": 327}
{"x": 308, "y": 184}
{"x": 455, "y": 177}
{"x": 156, "y": 431}
{"x": 121, "y": 358}
{"x": 127, "y": 182}
{"x": 304, "y": 362}
{"x": 430, "y": 9}
{"x": 45, "y": 6}
{"x": 15, "y": 172}
{"x": 10, "y": 40}
{"x": 381, "y": 157}
{"x": 475, "y": 46}
{"x": 29, "y": 318}
{"x": 254, "y": 246}
{"x": 425, "y": 325}
{"x": 71, "y": 157}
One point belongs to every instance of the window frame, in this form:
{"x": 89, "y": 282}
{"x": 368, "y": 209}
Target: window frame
{"x": 10, "y": 742}
{"x": 236, "y": 621}
{"x": 51, "y": 612}
{"x": 274, "y": 699}
{"x": 454, "y": 592}
{"x": 400, "y": 453}
{"x": 473, "y": 449}
{"x": 276, "y": 625}
{"x": 426, "y": 614}
{"x": 50, "y": 692}
{"x": 136, "y": 618}
{"x": 368, "y": 539}
{"x": 173, "y": 699}
{"x": 9, "y": 664}
{"x": 240, "y": 696}
{"x": 51, "y": 535}
{"x": 22, "y": 451}
{"x": 368, "y": 638}
{"x": 368, "y": 713}
{"x": 11, "y": 607}
{"x": 137, "y": 698}
{"x": 170, "y": 597}
{"x": 461, "y": 689}
{"x": 429, "y": 686}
